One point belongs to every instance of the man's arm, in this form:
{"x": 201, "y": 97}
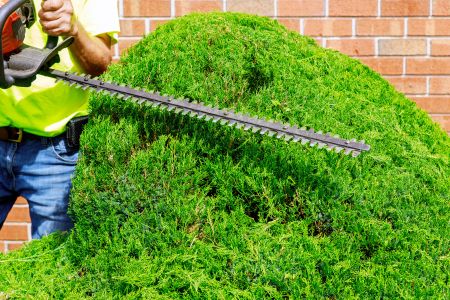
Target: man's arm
{"x": 92, "y": 52}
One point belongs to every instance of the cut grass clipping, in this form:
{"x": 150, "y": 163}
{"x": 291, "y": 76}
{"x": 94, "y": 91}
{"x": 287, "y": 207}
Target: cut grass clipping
{"x": 169, "y": 207}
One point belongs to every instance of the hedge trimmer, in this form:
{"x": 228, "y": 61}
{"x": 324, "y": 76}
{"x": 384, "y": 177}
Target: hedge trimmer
{"x": 21, "y": 63}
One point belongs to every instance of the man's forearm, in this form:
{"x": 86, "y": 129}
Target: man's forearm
{"x": 91, "y": 52}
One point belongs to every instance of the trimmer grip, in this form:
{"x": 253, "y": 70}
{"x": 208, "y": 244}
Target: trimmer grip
{"x": 52, "y": 41}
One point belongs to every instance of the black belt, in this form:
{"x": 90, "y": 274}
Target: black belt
{"x": 73, "y": 131}
{"x": 16, "y": 135}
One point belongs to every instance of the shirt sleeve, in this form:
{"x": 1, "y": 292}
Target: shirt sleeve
{"x": 100, "y": 17}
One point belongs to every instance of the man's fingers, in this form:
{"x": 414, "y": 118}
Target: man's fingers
{"x": 51, "y": 5}
{"x": 55, "y": 27}
{"x": 49, "y": 15}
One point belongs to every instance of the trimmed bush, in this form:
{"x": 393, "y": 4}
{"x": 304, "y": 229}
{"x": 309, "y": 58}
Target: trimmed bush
{"x": 170, "y": 207}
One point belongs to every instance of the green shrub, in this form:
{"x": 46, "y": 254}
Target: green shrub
{"x": 171, "y": 207}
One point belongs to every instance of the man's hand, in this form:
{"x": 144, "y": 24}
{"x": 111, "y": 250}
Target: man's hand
{"x": 91, "y": 52}
{"x": 57, "y": 18}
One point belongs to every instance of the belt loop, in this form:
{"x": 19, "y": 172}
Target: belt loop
{"x": 15, "y": 134}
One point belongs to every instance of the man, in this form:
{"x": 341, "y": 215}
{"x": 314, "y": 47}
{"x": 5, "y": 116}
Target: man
{"x": 40, "y": 167}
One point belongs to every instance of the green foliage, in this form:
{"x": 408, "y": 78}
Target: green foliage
{"x": 168, "y": 207}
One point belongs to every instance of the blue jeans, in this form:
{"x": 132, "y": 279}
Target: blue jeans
{"x": 41, "y": 171}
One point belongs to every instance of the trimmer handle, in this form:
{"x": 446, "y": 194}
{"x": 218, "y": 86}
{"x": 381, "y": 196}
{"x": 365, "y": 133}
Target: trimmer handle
{"x": 52, "y": 41}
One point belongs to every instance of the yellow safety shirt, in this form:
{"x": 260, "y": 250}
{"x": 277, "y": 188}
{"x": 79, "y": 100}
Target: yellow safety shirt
{"x": 46, "y": 107}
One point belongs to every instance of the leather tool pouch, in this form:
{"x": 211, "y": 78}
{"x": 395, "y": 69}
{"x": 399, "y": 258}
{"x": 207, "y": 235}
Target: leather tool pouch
{"x": 74, "y": 130}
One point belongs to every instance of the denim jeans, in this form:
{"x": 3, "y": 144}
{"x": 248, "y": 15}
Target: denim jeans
{"x": 41, "y": 171}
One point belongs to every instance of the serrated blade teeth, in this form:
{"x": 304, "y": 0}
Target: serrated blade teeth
{"x": 232, "y": 123}
{"x": 193, "y": 108}
{"x": 280, "y": 135}
{"x": 263, "y": 131}
{"x": 288, "y": 137}
{"x": 256, "y": 129}
{"x": 321, "y": 145}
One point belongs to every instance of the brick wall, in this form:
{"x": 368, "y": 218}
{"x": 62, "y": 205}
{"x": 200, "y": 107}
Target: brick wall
{"x": 407, "y": 41}
{"x": 17, "y": 227}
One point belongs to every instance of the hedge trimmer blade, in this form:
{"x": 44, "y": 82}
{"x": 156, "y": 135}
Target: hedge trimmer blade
{"x": 225, "y": 117}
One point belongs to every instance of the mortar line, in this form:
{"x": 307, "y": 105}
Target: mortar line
{"x": 327, "y": 11}
{"x": 147, "y": 25}
{"x": 121, "y": 8}
{"x": 405, "y": 27}
{"x": 354, "y": 27}
{"x": 275, "y": 9}
{"x": 224, "y": 5}
{"x": 172, "y": 8}
{"x": 379, "y": 9}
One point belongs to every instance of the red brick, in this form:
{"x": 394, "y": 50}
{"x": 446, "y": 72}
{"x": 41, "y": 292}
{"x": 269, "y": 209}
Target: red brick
{"x": 405, "y": 7}
{"x": 440, "y": 85}
{"x": 377, "y": 27}
{"x": 384, "y": 65}
{"x": 21, "y": 200}
{"x": 291, "y": 24}
{"x": 156, "y": 23}
{"x": 402, "y": 47}
{"x": 256, "y": 7}
{"x": 19, "y": 214}
{"x": 146, "y": 8}
{"x": 440, "y": 47}
{"x": 2, "y": 247}
{"x": 132, "y": 27}
{"x": 183, "y": 7}
{"x": 353, "y": 8}
{"x": 14, "y": 232}
{"x": 300, "y": 8}
{"x": 441, "y": 8}
{"x": 433, "y": 27}
{"x": 409, "y": 85}
{"x": 328, "y": 27}
{"x": 443, "y": 120}
{"x": 14, "y": 246}
{"x": 125, "y": 43}
{"x": 353, "y": 47}
{"x": 428, "y": 66}
{"x": 434, "y": 104}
